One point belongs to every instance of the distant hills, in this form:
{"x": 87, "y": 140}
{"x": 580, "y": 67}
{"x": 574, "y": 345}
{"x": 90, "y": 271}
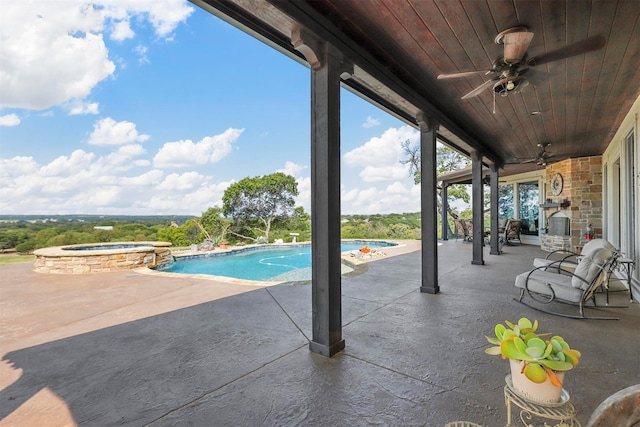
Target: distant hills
{"x": 95, "y": 218}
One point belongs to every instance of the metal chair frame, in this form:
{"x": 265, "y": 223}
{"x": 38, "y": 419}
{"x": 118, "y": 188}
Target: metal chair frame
{"x": 588, "y": 294}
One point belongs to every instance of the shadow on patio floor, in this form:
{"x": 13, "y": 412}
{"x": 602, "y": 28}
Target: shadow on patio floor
{"x": 242, "y": 360}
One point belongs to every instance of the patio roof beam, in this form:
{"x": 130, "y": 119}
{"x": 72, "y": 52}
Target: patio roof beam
{"x": 309, "y": 18}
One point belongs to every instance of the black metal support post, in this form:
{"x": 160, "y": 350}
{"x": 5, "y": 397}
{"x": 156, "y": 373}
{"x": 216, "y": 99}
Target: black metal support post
{"x": 326, "y": 68}
{"x": 477, "y": 207}
{"x": 445, "y": 214}
{"x": 429, "y": 203}
{"x": 495, "y": 235}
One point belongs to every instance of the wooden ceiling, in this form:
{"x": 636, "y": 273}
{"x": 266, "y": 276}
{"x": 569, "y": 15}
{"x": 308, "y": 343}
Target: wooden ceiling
{"x": 401, "y": 46}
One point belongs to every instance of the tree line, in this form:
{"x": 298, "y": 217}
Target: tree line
{"x": 254, "y": 210}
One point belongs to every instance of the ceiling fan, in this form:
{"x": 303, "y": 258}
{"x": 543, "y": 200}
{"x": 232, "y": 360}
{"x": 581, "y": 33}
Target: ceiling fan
{"x": 509, "y": 69}
{"x": 542, "y": 159}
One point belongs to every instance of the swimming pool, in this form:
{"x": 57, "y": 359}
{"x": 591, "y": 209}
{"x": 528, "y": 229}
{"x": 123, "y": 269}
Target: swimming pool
{"x": 266, "y": 263}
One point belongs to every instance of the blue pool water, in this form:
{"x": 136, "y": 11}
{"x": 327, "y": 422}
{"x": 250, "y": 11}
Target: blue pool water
{"x": 260, "y": 263}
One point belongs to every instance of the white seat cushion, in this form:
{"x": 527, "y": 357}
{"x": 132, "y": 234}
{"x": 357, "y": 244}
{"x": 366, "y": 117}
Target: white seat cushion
{"x": 541, "y": 281}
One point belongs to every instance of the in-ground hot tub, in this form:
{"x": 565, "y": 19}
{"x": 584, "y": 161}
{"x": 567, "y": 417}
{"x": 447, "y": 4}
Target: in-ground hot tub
{"x": 101, "y": 257}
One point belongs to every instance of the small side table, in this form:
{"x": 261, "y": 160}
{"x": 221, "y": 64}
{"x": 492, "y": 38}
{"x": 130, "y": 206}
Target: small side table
{"x": 563, "y": 413}
{"x": 627, "y": 265}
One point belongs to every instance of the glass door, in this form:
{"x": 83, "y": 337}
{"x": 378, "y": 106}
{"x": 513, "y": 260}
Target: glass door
{"x": 529, "y": 207}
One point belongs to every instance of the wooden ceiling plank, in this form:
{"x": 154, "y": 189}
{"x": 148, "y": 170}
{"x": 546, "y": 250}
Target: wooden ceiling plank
{"x": 578, "y": 17}
{"x": 553, "y": 31}
{"x": 601, "y": 22}
{"x": 479, "y": 50}
{"x": 621, "y": 68}
{"x": 528, "y": 15}
{"x": 418, "y": 39}
{"x": 504, "y": 14}
{"x": 451, "y": 55}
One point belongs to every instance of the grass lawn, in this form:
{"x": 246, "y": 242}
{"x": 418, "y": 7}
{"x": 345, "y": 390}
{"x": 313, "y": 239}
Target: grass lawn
{"x": 6, "y": 259}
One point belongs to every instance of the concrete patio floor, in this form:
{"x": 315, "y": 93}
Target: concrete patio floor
{"x": 127, "y": 348}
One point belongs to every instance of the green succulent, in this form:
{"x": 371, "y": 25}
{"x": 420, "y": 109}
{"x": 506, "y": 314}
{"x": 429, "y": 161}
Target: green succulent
{"x": 542, "y": 358}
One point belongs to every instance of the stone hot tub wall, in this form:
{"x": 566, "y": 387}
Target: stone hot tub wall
{"x": 582, "y": 186}
{"x": 57, "y": 260}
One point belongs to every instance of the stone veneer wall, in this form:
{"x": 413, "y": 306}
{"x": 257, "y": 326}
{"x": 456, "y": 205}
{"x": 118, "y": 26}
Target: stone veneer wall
{"x": 59, "y": 261}
{"x": 582, "y": 186}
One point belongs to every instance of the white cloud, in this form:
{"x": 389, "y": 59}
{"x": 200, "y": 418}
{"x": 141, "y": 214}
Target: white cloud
{"x": 12, "y": 169}
{"x": 193, "y": 202}
{"x": 85, "y": 183}
{"x": 395, "y": 198}
{"x": 380, "y": 157}
{"x": 122, "y": 31}
{"x": 164, "y": 15}
{"x": 304, "y": 183}
{"x": 152, "y": 177}
{"x": 62, "y": 42}
{"x": 9, "y": 120}
{"x": 304, "y": 193}
{"x": 210, "y": 149}
{"x": 131, "y": 150}
{"x": 292, "y": 169}
{"x": 141, "y": 51}
{"x": 79, "y": 107}
{"x": 78, "y": 160}
{"x": 182, "y": 182}
{"x": 371, "y": 122}
{"x": 109, "y": 132}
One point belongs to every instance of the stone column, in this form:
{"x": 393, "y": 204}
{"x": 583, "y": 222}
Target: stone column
{"x": 428, "y": 203}
{"x": 326, "y": 67}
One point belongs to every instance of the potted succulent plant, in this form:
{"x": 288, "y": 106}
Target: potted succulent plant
{"x": 537, "y": 364}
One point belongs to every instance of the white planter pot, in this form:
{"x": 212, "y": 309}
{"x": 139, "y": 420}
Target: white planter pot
{"x": 541, "y": 393}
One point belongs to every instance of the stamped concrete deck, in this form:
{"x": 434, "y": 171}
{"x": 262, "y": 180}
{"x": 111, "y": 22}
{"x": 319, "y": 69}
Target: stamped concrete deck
{"x": 127, "y": 348}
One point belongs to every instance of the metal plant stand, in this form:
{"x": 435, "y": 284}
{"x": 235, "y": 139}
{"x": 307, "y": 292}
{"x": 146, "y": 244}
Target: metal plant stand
{"x": 531, "y": 413}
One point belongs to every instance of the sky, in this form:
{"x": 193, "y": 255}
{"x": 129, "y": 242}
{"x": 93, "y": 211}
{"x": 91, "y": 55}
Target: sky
{"x": 154, "y": 107}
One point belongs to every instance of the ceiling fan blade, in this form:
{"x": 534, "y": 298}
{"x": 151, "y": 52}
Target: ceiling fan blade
{"x": 462, "y": 74}
{"x": 536, "y": 77}
{"x": 529, "y": 161}
{"x": 587, "y": 45}
{"x": 477, "y": 91}
{"x": 516, "y": 45}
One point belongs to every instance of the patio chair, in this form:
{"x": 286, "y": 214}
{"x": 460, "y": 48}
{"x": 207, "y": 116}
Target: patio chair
{"x": 469, "y": 226}
{"x": 568, "y": 260}
{"x": 462, "y": 230}
{"x": 512, "y": 231}
{"x": 548, "y": 284}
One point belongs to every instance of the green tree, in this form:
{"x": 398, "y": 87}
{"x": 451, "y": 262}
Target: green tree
{"x": 260, "y": 201}
{"x": 214, "y": 223}
{"x": 175, "y": 235}
{"x": 447, "y": 160}
{"x": 12, "y": 238}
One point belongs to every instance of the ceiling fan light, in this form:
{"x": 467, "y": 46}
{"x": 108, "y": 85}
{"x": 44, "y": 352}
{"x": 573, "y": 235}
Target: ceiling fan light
{"x": 510, "y": 84}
